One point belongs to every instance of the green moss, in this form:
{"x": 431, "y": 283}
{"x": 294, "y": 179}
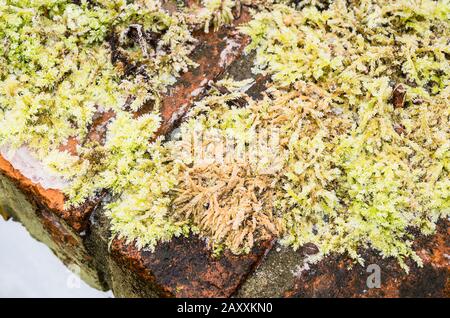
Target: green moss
{"x": 352, "y": 171}
{"x": 62, "y": 64}
{"x": 367, "y": 184}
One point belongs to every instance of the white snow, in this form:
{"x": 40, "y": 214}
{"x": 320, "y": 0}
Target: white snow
{"x": 24, "y": 161}
{"x": 29, "y": 269}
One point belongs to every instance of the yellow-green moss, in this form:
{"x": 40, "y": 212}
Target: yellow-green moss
{"x": 352, "y": 171}
{"x": 368, "y": 183}
{"x": 62, "y": 64}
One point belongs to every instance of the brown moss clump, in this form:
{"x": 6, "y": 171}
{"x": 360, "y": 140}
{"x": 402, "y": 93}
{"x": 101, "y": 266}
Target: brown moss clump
{"x": 229, "y": 203}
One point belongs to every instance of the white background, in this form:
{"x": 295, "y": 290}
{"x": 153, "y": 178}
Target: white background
{"x": 29, "y": 269}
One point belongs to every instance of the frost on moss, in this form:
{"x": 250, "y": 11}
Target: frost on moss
{"x": 359, "y": 100}
{"x": 388, "y": 171}
{"x": 212, "y": 14}
{"x": 64, "y": 63}
{"x": 357, "y": 170}
{"x": 56, "y": 69}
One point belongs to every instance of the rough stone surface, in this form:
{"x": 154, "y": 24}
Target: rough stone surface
{"x": 275, "y": 275}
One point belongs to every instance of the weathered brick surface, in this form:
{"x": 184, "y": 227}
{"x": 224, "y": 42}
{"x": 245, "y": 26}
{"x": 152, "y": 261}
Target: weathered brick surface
{"x": 52, "y": 200}
{"x": 185, "y": 267}
{"x": 332, "y": 278}
{"x": 283, "y": 273}
{"x": 214, "y": 52}
{"x": 49, "y": 228}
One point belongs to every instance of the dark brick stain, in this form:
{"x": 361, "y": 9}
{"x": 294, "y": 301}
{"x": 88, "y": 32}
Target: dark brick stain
{"x": 432, "y": 282}
{"x": 184, "y": 267}
{"x": 241, "y": 69}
